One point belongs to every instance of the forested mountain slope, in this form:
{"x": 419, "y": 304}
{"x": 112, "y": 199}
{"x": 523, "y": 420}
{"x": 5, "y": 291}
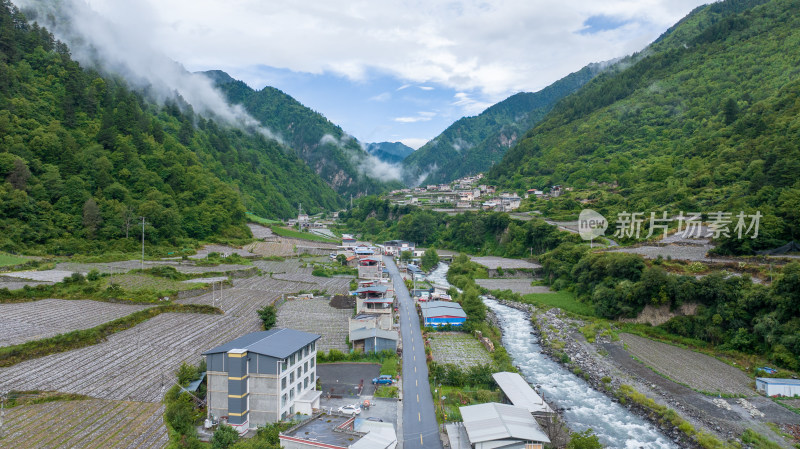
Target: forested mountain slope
{"x": 333, "y": 155}
{"x": 82, "y": 157}
{"x": 473, "y": 144}
{"x": 707, "y": 118}
{"x": 393, "y": 152}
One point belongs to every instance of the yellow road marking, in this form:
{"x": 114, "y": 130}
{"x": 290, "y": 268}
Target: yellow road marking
{"x": 416, "y": 382}
{"x": 415, "y": 369}
{"x": 420, "y": 439}
{"x": 419, "y": 415}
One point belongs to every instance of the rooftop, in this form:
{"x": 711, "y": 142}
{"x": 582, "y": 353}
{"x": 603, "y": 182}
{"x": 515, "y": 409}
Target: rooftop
{"x": 320, "y": 429}
{"x": 360, "y": 334}
{"x": 520, "y": 393}
{"x": 493, "y": 421}
{"x": 442, "y": 308}
{"x": 774, "y": 380}
{"x": 279, "y": 343}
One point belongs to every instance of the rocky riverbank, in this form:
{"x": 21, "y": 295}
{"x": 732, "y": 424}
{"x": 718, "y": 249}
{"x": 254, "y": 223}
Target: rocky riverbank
{"x": 560, "y": 341}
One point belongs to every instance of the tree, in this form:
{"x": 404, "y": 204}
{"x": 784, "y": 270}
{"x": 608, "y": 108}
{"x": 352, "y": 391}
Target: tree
{"x": 91, "y": 217}
{"x": 584, "y": 440}
{"x": 405, "y": 256}
{"x": 268, "y": 315}
{"x": 342, "y": 259}
{"x": 430, "y": 259}
{"x": 19, "y": 174}
{"x": 225, "y": 437}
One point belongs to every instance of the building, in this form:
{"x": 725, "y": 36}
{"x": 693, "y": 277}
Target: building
{"x": 348, "y": 241}
{"x": 504, "y": 426}
{"x": 373, "y": 300}
{"x": 395, "y": 247}
{"x": 442, "y": 313}
{"x": 516, "y": 391}
{"x": 373, "y": 339}
{"x": 370, "y": 267}
{"x": 778, "y": 387}
{"x": 334, "y": 431}
{"x": 262, "y": 377}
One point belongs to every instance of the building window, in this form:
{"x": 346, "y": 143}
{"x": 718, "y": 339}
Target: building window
{"x": 312, "y": 377}
{"x": 291, "y": 394}
{"x": 305, "y": 351}
{"x": 283, "y": 400}
{"x": 305, "y": 367}
{"x": 299, "y": 371}
{"x": 284, "y": 365}
{"x": 313, "y": 361}
{"x": 291, "y": 359}
{"x": 283, "y": 383}
{"x": 298, "y": 388}
{"x": 314, "y": 346}
{"x": 305, "y": 382}
{"x": 530, "y": 445}
{"x": 291, "y": 377}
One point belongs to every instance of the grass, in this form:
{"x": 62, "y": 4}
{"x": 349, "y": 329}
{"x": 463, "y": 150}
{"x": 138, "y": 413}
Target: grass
{"x": 10, "y": 260}
{"x": 11, "y": 355}
{"x": 758, "y": 441}
{"x": 390, "y": 366}
{"x": 447, "y": 409}
{"x": 286, "y": 232}
{"x": 386, "y": 391}
{"x": 264, "y": 221}
{"x": 564, "y": 300}
{"x": 29, "y": 397}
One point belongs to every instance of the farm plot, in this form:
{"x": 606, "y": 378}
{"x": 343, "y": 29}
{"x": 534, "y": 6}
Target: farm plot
{"x": 504, "y": 263}
{"x": 137, "y": 364}
{"x": 679, "y": 252}
{"x": 139, "y": 282}
{"x": 93, "y": 423}
{"x": 125, "y": 266}
{"x": 225, "y": 250}
{"x": 458, "y": 348}
{"x": 21, "y": 322}
{"x": 696, "y": 370}
{"x": 51, "y": 276}
{"x": 13, "y": 283}
{"x": 317, "y": 316}
{"x": 276, "y": 247}
{"x": 520, "y": 286}
{"x": 259, "y": 231}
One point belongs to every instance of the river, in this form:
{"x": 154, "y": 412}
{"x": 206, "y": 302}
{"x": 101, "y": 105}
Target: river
{"x": 584, "y": 407}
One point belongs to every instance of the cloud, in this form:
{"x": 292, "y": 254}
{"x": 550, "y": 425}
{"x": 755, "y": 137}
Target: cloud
{"x": 497, "y": 48}
{"x": 422, "y": 116}
{"x": 123, "y": 47}
{"x": 413, "y": 142}
{"x": 385, "y": 96}
{"x": 425, "y": 87}
{"x": 468, "y": 104}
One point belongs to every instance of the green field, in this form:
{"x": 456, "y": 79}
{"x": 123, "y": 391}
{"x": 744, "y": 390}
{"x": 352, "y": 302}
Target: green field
{"x": 563, "y": 300}
{"x": 264, "y": 221}
{"x": 8, "y": 260}
{"x": 286, "y": 232}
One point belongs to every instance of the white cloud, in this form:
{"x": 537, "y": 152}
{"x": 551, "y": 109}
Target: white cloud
{"x": 413, "y": 142}
{"x": 422, "y": 116}
{"x": 385, "y": 96}
{"x": 425, "y": 87}
{"x": 497, "y": 48}
{"x": 468, "y": 104}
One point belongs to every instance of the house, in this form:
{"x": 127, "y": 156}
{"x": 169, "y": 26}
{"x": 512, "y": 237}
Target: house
{"x": 466, "y": 195}
{"x": 336, "y": 431}
{"x": 348, "y": 241}
{"x": 778, "y": 387}
{"x": 369, "y": 268}
{"x": 442, "y": 313}
{"x": 373, "y": 300}
{"x": 373, "y": 339}
{"x": 262, "y": 377}
{"x": 517, "y": 391}
{"x": 463, "y": 205}
{"x": 534, "y": 192}
{"x": 493, "y": 425}
{"x": 369, "y": 321}
{"x": 395, "y": 247}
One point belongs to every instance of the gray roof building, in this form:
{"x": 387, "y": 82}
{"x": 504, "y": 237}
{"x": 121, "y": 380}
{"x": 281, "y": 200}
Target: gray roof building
{"x": 496, "y": 425}
{"x": 519, "y": 393}
{"x": 278, "y": 343}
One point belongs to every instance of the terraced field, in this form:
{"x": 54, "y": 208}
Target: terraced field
{"x": 520, "y": 286}
{"x": 492, "y": 262}
{"x": 93, "y": 423}
{"x": 698, "y": 371}
{"x": 125, "y": 266}
{"x": 317, "y": 316}
{"x": 34, "y": 320}
{"x": 458, "y": 348}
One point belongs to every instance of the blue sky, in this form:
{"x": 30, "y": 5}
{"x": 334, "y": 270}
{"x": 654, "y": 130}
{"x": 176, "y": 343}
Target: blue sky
{"x": 390, "y": 70}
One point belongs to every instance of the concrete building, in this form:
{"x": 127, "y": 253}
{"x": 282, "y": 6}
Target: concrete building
{"x": 262, "y": 377}
{"x": 492, "y": 425}
{"x": 778, "y": 387}
{"x": 395, "y": 247}
{"x": 517, "y": 391}
{"x": 374, "y": 300}
{"x": 442, "y": 313}
{"x": 370, "y": 267}
{"x": 373, "y": 339}
{"x": 334, "y": 431}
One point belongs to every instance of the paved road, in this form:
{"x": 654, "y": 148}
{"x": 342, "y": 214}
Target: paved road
{"x": 420, "y": 429}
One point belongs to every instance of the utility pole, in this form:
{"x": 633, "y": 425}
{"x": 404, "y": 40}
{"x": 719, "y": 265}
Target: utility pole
{"x": 143, "y": 242}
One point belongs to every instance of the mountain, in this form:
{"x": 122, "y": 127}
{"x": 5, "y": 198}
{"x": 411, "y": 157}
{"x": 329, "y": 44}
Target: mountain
{"x": 707, "y": 118}
{"x": 82, "y": 156}
{"x": 335, "y": 156}
{"x": 473, "y": 144}
{"x": 392, "y": 152}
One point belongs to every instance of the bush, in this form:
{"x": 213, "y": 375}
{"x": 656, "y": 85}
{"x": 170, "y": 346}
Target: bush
{"x": 224, "y": 437}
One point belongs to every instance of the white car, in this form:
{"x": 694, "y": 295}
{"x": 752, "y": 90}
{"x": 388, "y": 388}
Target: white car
{"x": 351, "y": 409}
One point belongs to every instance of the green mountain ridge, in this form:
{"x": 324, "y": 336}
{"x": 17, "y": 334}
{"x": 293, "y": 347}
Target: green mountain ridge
{"x": 707, "y": 118}
{"x": 392, "y": 152}
{"x": 473, "y": 144}
{"x": 82, "y": 156}
{"x": 333, "y": 155}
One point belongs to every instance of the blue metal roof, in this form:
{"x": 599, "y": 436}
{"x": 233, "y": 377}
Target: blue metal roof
{"x": 278, "y": 343}
{"x": 778, "y": 381}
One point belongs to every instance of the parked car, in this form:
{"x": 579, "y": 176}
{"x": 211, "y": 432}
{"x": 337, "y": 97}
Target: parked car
{"x": 372, "y": 418}
{"x": 352, "y": 409}
{"x": 384, "y": 379}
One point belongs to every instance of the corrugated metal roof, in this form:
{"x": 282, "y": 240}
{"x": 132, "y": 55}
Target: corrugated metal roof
{"x": 377, "y": 289}
{"x": 520, "y": 393}
{"x": 442, "y": 308}
{"x": 492, "y": 421}
{"x": 360, "y": 334}
{"x": 777, "y": 381}
{"x": 279, "y": 343}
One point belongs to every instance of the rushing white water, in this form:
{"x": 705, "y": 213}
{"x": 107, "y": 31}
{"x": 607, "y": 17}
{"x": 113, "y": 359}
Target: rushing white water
{"x": 584, "y": 407}
{"x": 439, "y": 274}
